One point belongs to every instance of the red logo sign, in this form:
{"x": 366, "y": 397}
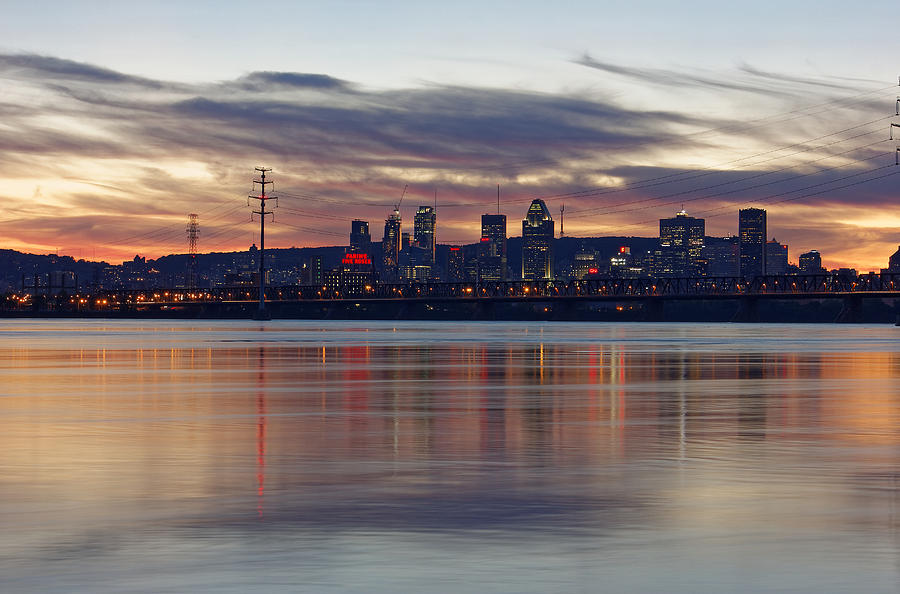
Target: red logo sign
{"x": 357, "y": 259}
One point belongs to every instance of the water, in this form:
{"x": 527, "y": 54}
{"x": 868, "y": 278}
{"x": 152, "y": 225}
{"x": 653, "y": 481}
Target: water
{"x": 330, "y": 456}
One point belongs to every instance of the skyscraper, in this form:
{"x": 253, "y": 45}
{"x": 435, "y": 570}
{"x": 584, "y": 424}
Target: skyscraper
{"x": 492, "y": 249}
{"x": 360, "y": 240}
{"x": 537, "y": 242}
{"x": 390, "y": 247}
{"x": 680, "y": 246}
{"x": 776, "y": 257}
{"x": 424, "y": 226}
{"x": 811, "y": 262}
{"x": 752, "y": 241}
{"x": 722, "y": 256}
{"x": 455, "y": 265}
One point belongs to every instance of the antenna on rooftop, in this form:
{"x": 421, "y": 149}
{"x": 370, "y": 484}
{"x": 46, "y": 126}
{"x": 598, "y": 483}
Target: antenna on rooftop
{"x": 562, "y": 211}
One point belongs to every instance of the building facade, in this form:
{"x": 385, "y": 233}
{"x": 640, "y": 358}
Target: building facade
{"x": 492, "y": 248}
{"x": 537, "y": 242}
{"x": 360, "y": 240}
{"x": 390, "y": 248}
{"x": 424, "y": 228}
{"x": 456, "y": 265}
{"x": 680, "y": 246}
{"x": 752, "y": 238}
{"x": 811, "y": 262}
{"x": 776, "y": 258}
{"x": 722, "y": 256}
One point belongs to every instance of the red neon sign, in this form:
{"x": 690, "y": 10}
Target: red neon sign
{"x": 593, "y": 270}
{"x": 454, "y": 249}
{"x": 485, "y": 239}
{"x": 356, "y": 259}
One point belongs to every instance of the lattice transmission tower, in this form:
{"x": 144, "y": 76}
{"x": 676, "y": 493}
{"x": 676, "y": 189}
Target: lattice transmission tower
{"x": 193, "y": 233}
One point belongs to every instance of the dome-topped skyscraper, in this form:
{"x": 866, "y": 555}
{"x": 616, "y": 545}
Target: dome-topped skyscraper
{"x": 537, "y": 242}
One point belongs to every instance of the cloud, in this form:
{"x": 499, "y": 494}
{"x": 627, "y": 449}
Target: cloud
{"x": 261, "y": 81}
{"x": 35, "y": 66}
{"x": 338, "y": 147}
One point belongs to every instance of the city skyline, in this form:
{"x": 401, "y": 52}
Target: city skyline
{"x": 109, "y": 146}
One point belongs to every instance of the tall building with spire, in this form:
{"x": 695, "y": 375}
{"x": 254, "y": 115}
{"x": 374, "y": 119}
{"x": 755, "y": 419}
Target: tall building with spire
{"x": 390, "y": 247}
{"x": 537, "y": 242}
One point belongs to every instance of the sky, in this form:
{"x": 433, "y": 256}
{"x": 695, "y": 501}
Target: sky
{"x": 118, "y": 119}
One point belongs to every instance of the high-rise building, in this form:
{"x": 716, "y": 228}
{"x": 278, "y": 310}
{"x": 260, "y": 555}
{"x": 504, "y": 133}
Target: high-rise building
{"x": 492, "y": 248}
{"x": 722, "y": 256}
{"x": 585, "y": 263}
{"x": 894, "y": 261}
{"x": 811, "y": 262}
{"x": 360, "y": 240}
{"x": 776, "y": 257}
{"x": 680, "y": 246}
{"x": 537, "y": 242}
{"x": 455, "y": 265}
{"x": 752, "y": 238}
{"x": 390, "y": 247}
{"x": 424, "y": 226}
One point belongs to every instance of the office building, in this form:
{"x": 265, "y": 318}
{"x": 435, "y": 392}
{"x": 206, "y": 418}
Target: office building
{"x": 722, "y": 256}
{"x": 776, "y": 258}
{"x": 360, "y": 240}
{"x": 680, "y": 246}
{"x": 585, "y": 263}
{"x": 455, "y": 265}
{"x": 752, "y": 241}
{"x": 811, "y": 262}
{"x": 390, "y": 247}
{"x": 537, "y": 242}
{"x": 424, "y": 226}
{"x": 492, "y": 248}
{"x": 894, "y": 262}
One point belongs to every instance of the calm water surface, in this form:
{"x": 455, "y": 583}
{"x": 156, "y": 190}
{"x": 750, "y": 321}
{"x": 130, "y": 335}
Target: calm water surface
{"x": 302, "y": 456}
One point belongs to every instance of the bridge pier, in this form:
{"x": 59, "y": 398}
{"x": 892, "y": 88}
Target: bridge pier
{"x": 404, "y": 310}
{"x": 851, "y": 310}
{"x": 654, "y": 310}
{"x": 565, "y": 310}
{"x": 485, "y": 310}
{"x": 748, "y": 310}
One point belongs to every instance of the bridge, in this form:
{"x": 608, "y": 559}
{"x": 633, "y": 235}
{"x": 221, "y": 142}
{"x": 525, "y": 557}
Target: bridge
{"x": 559, "y": 299}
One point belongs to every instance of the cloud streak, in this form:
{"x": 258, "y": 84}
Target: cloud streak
{"x": 132, "y": 153}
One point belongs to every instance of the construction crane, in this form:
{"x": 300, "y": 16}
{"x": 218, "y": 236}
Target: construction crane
{"x": 397, "y": 206}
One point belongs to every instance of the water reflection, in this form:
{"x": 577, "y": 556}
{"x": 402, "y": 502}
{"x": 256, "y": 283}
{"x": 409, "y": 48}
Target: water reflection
{"x": 445, "y": 458}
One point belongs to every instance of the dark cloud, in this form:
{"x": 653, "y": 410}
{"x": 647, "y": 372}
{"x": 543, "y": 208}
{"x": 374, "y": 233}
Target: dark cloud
{"x": 338, "y": 145}
{"x": 44, "y": 67}
{"x": 673, "y": 79}
{"x": 266, "y": 79}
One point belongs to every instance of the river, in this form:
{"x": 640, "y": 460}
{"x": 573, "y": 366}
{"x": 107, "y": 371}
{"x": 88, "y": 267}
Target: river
{"x": 300, "y": 456}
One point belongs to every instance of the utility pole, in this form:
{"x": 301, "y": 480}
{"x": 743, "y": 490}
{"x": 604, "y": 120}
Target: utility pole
{"x": 261, "y": 313}
{"x": 193, "y": 232}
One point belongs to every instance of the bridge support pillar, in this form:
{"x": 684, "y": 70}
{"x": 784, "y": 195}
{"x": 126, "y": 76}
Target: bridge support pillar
{"x": 654, "y": 310}
{"x": 748, "y": 310}
{"x": 484, "y": 310}
{"x": 565, "y": 310}
{"x": 404, "y": 311}
{"x": 851, "y": 310}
